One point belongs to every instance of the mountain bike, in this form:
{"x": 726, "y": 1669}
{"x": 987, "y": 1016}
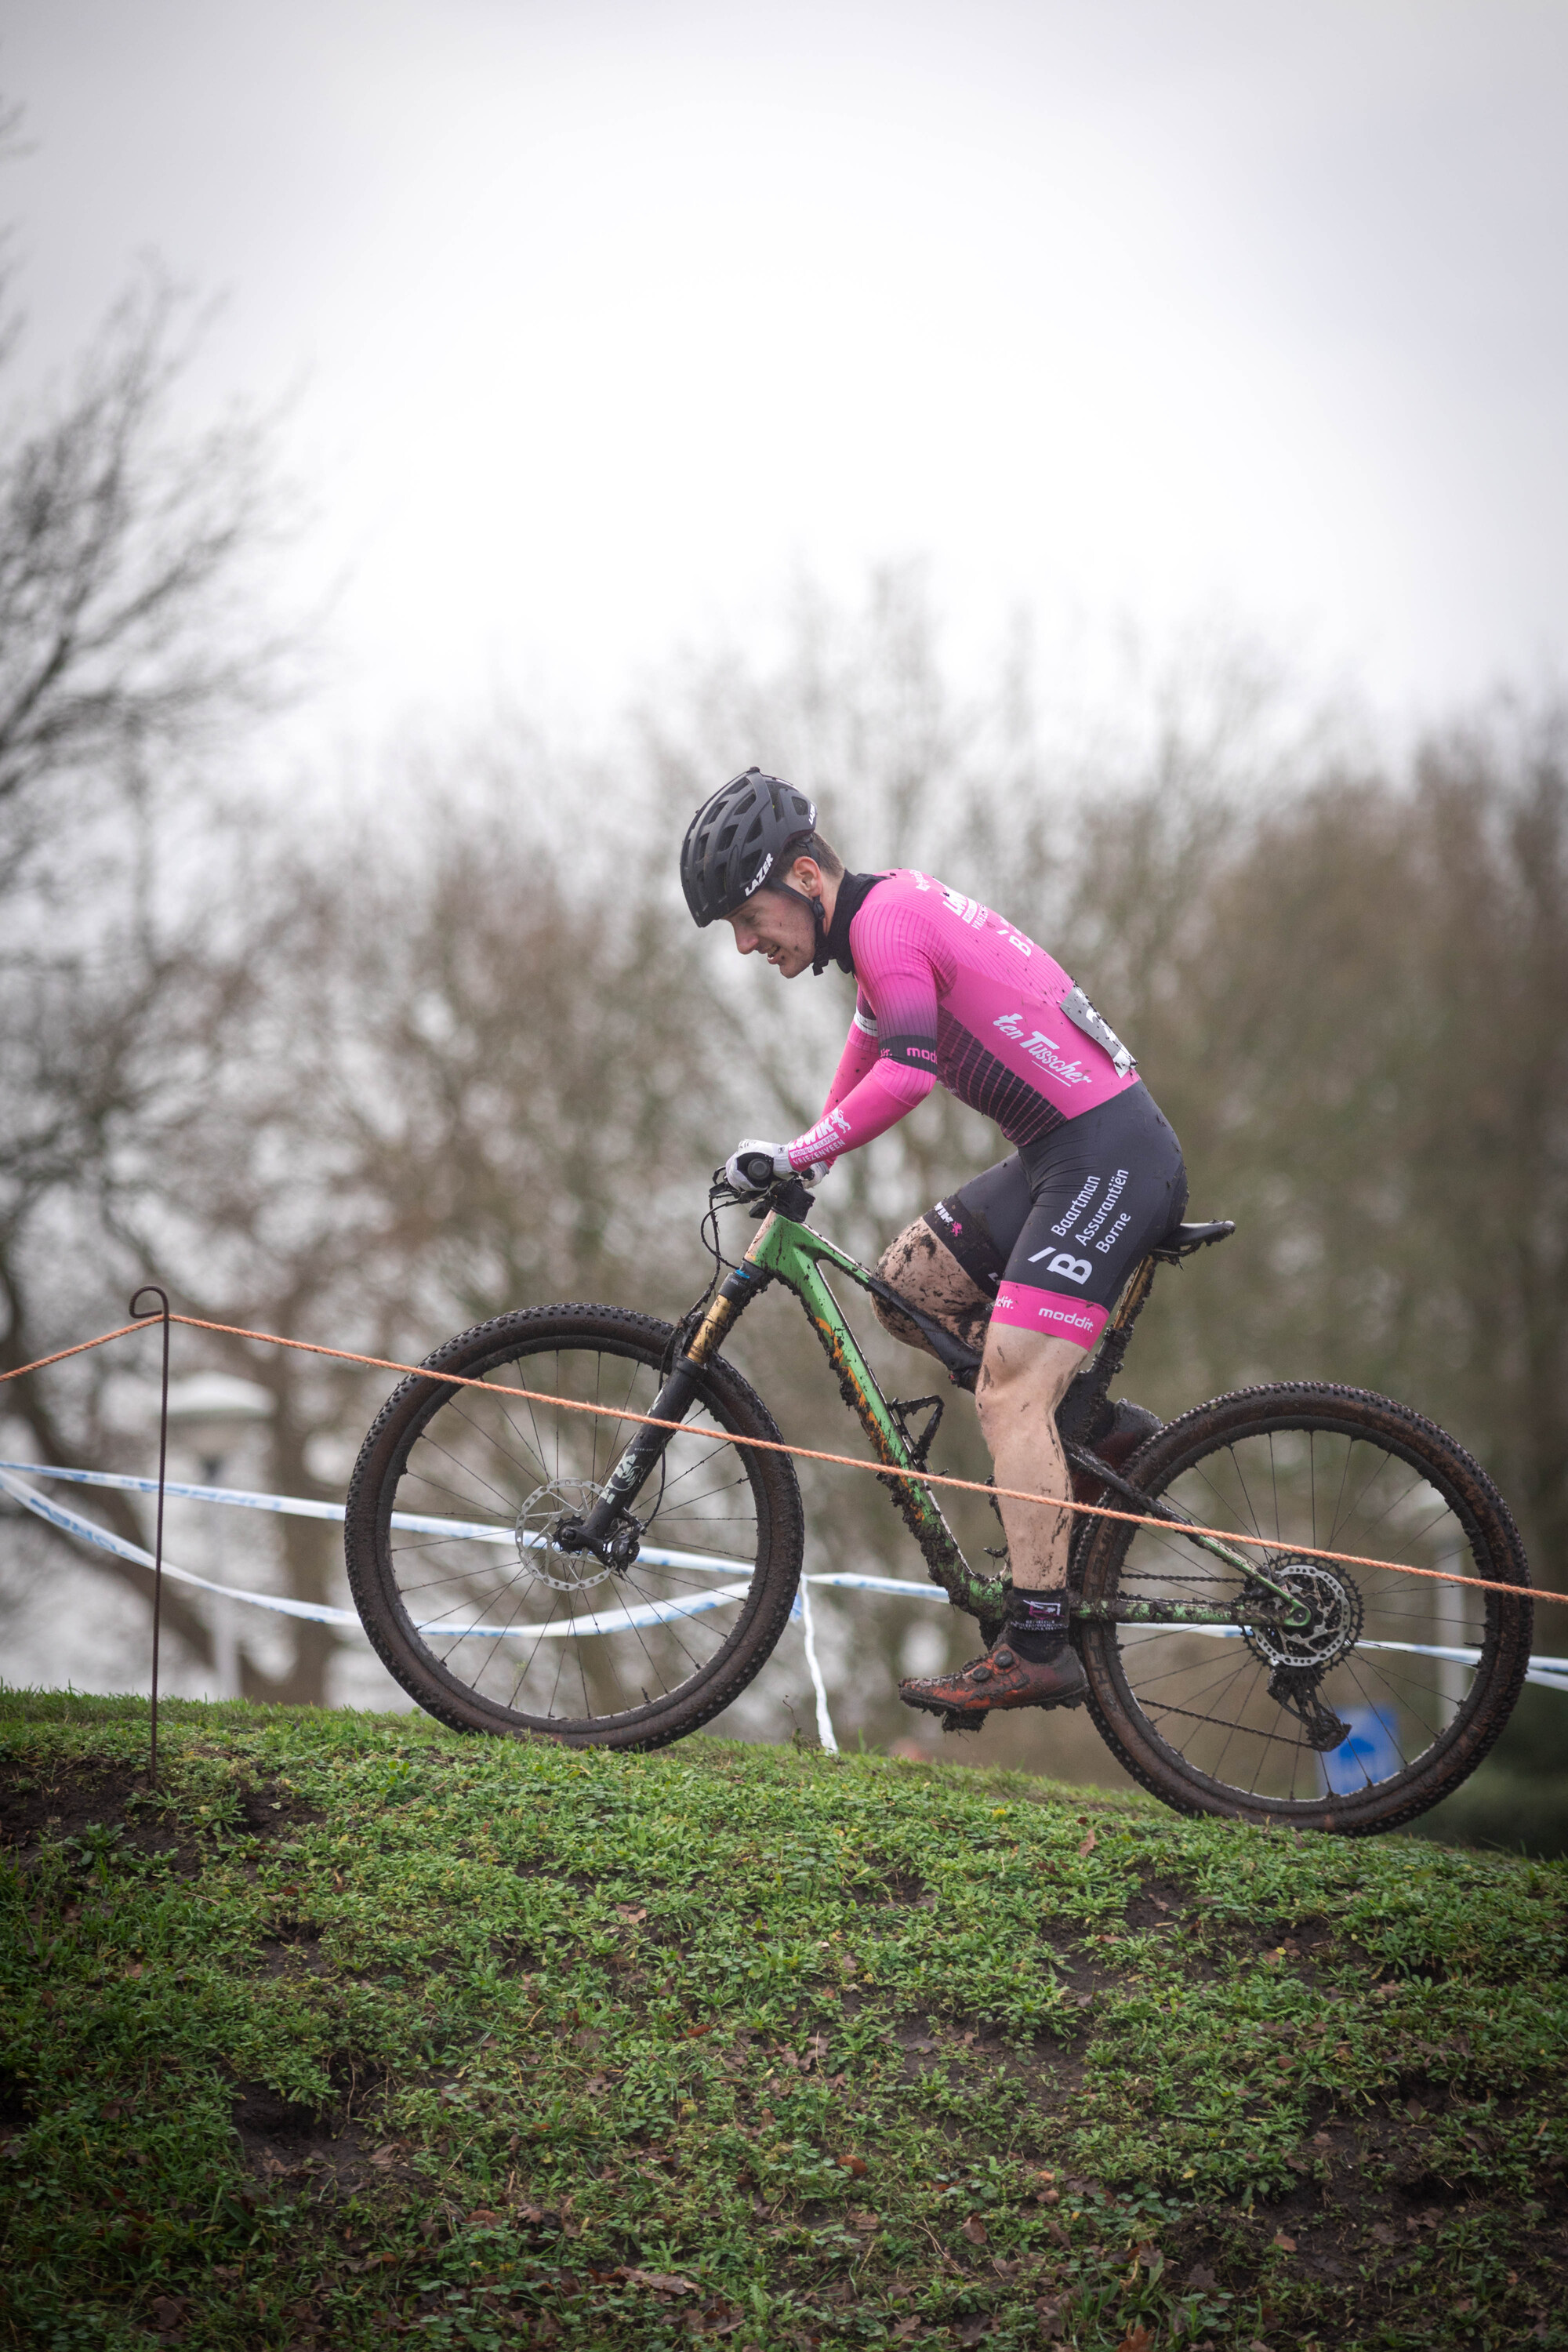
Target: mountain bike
{"x": 522, "y": 1566}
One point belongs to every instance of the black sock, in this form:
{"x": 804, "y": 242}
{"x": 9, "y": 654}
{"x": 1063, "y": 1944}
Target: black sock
{"x": 1037, "y": 1625}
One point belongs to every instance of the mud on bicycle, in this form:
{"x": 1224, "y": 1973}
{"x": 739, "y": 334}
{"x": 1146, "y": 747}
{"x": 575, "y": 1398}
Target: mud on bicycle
{"x": 523, "y": 1567}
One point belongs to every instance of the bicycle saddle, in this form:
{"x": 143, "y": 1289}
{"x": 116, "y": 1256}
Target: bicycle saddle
{"x": 1183, "y": 1240}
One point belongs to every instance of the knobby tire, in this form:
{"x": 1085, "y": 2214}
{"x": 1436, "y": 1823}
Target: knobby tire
{"x": 514, "y": 1340}
{"x": 1275, "y": 1417}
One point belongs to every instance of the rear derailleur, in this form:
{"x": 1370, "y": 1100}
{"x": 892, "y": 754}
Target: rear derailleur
{"x": 1296, "y": 1689}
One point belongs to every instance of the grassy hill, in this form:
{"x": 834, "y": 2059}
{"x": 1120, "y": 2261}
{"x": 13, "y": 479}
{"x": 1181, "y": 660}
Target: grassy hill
{"x": 354, "y": 2032}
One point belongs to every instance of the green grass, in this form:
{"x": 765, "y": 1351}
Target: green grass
{"x": 354, "y": 2031}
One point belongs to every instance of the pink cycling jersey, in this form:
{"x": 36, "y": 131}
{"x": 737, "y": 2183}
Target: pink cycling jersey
{"x": 948, "y": 990}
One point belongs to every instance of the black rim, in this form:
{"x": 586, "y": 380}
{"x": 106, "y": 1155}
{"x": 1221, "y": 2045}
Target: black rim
{"x": 552, "y": 1640}
{"x": 1249, "y": 1716}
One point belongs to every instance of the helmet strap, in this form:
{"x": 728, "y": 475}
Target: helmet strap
{"x": 819, "y": 923}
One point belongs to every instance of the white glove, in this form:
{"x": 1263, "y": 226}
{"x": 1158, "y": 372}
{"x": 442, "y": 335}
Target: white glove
{"x": 754, "y": 1165}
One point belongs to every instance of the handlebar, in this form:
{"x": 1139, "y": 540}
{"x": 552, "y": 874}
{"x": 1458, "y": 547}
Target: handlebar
{"x": 785, "y": 1194}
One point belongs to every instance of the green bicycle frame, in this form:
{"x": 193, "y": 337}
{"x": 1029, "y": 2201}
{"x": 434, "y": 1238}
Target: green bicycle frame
{"x": 796, "y": 1256}
{"x": 787, "y": 1251}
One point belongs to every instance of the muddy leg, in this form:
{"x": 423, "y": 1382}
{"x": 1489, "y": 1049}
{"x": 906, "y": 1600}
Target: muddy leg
{"x": 1023, "y": 1378}
{"x": 924, "y": 1270}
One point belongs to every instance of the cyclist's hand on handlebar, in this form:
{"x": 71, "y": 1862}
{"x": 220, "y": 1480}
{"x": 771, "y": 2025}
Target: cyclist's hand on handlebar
{"x": 754, "y": 1165}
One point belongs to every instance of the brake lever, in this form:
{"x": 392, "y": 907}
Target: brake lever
{"x": 724, "y": 1195}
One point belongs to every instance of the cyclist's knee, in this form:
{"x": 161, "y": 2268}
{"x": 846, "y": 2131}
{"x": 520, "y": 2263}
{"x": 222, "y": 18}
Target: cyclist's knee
{"x": 1023, "y": 1378}
{"x": 922, "y": 1269}
{"x": 898, "y": 1268}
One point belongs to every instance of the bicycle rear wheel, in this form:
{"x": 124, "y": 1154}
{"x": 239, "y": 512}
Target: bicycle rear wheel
{"x": 1397, "y": 1689}
{"x": 484, "y": 1620}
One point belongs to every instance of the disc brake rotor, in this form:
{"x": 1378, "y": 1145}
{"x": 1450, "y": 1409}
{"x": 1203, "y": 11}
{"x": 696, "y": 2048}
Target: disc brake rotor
{"x": 1336, "y": 1624}
{"x": 540, "y": 1557}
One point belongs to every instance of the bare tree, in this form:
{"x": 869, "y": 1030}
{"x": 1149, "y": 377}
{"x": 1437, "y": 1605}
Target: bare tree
{"x": 131, "y": 642}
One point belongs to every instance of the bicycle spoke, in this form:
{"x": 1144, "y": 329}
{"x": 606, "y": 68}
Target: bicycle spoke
{"x": 554, "y": 1637}
{"x": 1256, "y": 1726}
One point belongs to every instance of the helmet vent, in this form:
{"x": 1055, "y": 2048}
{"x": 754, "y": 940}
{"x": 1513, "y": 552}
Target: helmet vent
{"x": 752, "y": 818}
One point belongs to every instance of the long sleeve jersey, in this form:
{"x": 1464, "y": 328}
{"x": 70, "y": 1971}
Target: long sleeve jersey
{"x": 948, "y": 991}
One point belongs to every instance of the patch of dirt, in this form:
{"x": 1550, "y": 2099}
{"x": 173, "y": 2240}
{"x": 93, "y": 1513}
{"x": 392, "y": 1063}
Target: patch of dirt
{"x": 18, "y": 2107}
{"x": 265, "y": 1812}
{"x": 294, "y": 1950}
{"x": 283, "y": 2138}
{"x": 37, "y": 1810}
{"x": 1159, "y": 1903}
{"x": 899, "y": 1890}
{"x": 262, "y": 2115}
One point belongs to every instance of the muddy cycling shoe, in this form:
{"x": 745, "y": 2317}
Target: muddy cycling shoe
{"x": 1003, "y": 1679}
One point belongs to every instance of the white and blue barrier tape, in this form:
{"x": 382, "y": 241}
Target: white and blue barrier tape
{"x": 1549, "y": 1673}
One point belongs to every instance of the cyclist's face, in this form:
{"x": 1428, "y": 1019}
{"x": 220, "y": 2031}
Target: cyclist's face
{"x": 778, "y": 927}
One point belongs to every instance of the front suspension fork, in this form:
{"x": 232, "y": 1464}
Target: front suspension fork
{"x": 602, "y": 1530}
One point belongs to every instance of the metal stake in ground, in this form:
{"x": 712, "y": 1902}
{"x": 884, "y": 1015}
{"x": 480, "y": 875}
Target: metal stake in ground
{"x": 153, "y": 1290}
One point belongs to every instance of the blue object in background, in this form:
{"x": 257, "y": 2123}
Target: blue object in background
{"x": 1370, "y": 1753}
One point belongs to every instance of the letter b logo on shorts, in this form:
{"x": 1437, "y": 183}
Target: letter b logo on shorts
{"x": 1075, "y": 1269}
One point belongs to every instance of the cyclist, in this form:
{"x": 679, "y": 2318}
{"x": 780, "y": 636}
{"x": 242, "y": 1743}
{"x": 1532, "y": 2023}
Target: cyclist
{"x": 1025, "y": 1259}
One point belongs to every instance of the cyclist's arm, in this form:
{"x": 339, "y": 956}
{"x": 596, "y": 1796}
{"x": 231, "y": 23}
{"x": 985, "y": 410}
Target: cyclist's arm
{"x": 901, "y": 1076}
{"x": 860, "y": 1055}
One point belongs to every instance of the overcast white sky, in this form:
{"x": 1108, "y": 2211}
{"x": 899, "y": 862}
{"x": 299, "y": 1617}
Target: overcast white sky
{"x": 609, "y": 318}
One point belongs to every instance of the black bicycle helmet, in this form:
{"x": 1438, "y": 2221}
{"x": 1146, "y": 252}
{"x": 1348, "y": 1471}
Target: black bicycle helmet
{"x": 737, "y": 839}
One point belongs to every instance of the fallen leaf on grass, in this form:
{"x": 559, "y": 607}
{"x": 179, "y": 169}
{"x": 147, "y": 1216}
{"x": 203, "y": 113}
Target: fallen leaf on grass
{"x": 856, "y": 2166}
{"x": 974, "y": 2230}
{"x": 1137, "y": 2338}
{"x": 1287, "y": 2245}
{"x": 634, "y": 1914}
{"x": 1049, "y": 2312}
{"x": 1088, "y": 1845}
{"x": 662, "y": 2282}
{"x": 484, "y": 2217}
{"x": 1203, "y": 2279}
{"x": 383, "y": 2158}
{"x": 1383, "y": 2235}
{"x": 170, "y": 2312}
{"x": 970, "y": 2331}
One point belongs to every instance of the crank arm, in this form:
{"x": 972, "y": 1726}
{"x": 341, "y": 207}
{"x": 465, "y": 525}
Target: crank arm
{"x": 1297, "y": 1614}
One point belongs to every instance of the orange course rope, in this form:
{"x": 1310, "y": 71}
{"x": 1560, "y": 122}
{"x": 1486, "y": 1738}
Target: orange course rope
{"x": 79, "y": 1349}
{"x": 801, "y": 1452}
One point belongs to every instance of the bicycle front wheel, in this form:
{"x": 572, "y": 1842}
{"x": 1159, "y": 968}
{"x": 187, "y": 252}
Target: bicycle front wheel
{"x": 460, "y": 1583}
{"x": 1382, "y": 1703}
